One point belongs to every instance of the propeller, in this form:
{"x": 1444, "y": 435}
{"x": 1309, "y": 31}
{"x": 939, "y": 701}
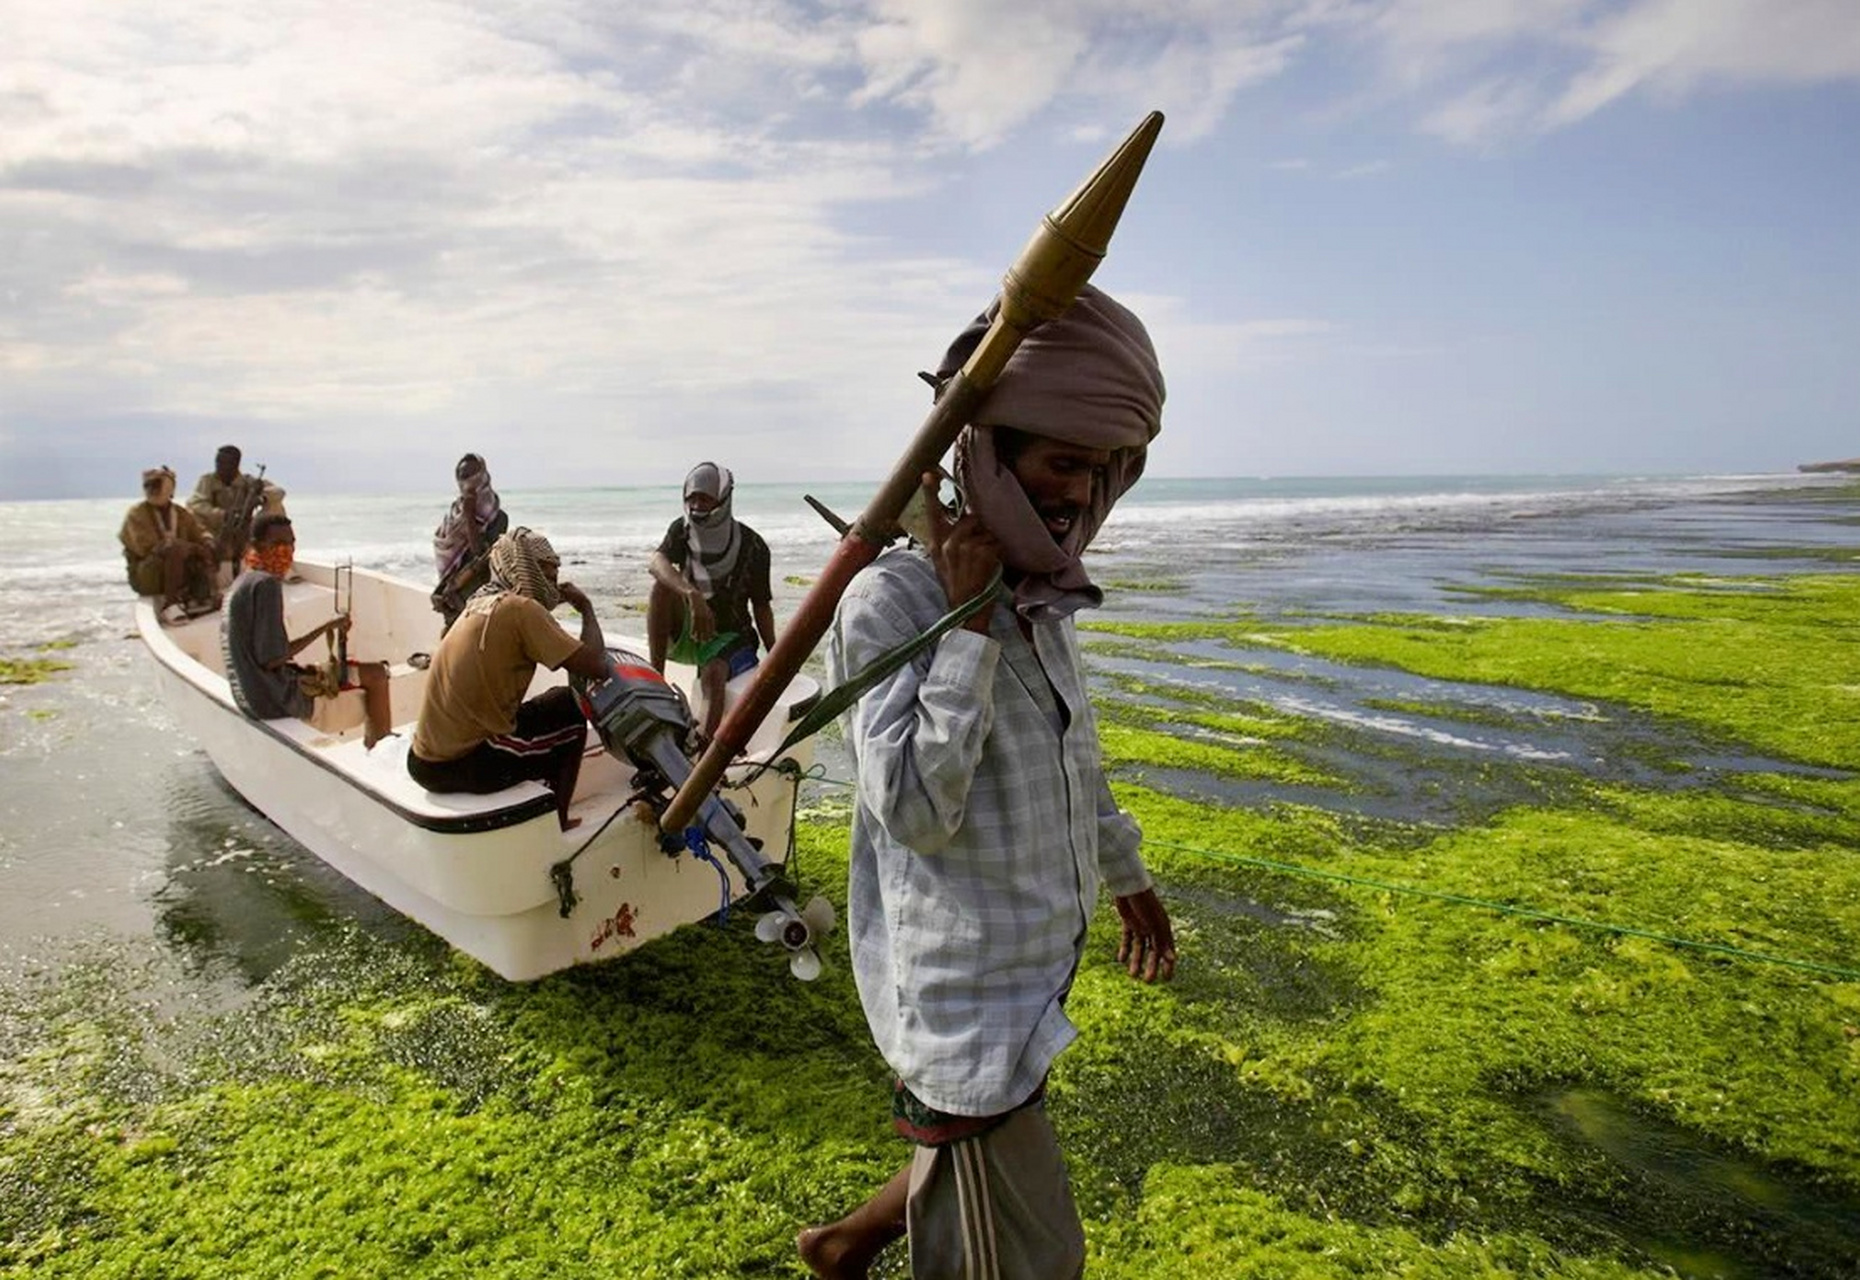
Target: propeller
{"x": 798, "y": 931}
{"x": 819, "y": 915}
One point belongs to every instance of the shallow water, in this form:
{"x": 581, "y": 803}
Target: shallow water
{"x": 1419, "y": 750}
{"x": 1704, "y": 1211}
{"x": 103, "y": 810}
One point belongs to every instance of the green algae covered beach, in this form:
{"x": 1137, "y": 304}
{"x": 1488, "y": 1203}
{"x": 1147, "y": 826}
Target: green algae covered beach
{"x": 1583, "y": 1004}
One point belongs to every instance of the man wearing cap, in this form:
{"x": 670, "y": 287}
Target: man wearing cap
{"x": 166, "y": 552}
{"x": 477, "y": 733}
{"x": 709, "y": 576}
{"x": 984, "y": 825}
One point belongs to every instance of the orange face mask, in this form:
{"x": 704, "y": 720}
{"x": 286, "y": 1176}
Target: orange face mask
{"x": 275, "y": 559}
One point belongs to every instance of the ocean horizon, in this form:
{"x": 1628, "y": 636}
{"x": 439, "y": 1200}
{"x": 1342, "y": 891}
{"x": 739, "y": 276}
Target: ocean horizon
{"x": 68, "y": 546}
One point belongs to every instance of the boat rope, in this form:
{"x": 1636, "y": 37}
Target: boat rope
{"x": 700, "y": 849}
{"x": 562, "y": 874}
{"x": 1466, "y": 900}
{"x": 791, "y": 865}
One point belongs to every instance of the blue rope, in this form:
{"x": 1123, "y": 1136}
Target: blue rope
{"x": 700, "y": 849}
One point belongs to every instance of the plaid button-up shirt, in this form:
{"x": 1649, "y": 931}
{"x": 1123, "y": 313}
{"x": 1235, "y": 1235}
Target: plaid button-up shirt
{"x": 982, "y": 831}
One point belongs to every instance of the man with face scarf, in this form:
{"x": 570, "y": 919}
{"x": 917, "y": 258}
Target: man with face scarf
{"x": 710, "y": 573}
{"x": 984, "y": 825}
{"x": 258, "y": 650}
{"x": 476, "y": 733}
{"x": 166, "y": 552}
{"x": 475, "y": 519}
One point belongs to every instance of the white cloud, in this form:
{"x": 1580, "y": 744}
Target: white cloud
{"x": 1485, "y": 112}
{"x": 1674, "y": 47}
{"x": 980, "y": 69}
{"x": 1483, "y": 70}
{"x": 1191, "y": 349}
{"x": 379, "y": 219}
{"x": 375, "y": 219}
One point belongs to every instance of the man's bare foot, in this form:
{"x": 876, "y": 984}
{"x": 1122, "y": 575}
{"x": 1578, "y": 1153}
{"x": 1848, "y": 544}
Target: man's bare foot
{"x": 569, "y": 824}
{"x": 825, "y": 1252}
{"x": 845, "y": 1250}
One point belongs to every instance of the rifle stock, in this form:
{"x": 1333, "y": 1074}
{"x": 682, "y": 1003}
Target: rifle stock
{"x": 236, "y": 526}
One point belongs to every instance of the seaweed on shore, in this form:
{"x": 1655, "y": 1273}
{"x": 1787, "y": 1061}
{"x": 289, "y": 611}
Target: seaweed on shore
{"x": 1492, "y": 1045}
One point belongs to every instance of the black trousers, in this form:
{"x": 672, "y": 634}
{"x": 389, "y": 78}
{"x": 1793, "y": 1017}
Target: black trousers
{"x": 549, "y": 733}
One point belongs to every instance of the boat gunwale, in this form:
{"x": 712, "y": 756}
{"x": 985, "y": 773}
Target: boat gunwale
{"x": 184, "y": 665}
{"x": 177, "y": 660}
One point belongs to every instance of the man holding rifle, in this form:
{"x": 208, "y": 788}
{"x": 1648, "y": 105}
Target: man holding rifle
{"x": 984, "y": 824}
{"x": 462, "y": 542}
{"x": 225, "y": 502}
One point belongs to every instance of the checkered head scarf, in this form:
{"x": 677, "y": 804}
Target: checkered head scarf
{"x": 517, "y": 561}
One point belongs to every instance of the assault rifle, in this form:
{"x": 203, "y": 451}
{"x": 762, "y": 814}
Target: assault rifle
{"x": 470, "y": 573}
{"x": 236, "y": 524}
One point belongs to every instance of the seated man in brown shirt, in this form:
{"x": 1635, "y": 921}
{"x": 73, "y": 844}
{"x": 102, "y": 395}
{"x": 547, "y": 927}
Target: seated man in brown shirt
{"x": 166, "y": 551}
{"x": 476, "y": 733}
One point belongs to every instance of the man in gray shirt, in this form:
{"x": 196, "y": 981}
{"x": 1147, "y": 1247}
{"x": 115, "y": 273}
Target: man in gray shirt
{"x": 984, "y": 825}
{"x": 258, "y": 650}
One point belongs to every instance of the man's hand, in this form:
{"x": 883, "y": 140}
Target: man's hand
{"x": 703, "y": 621}
{"x": 965, "y": 554}
{"x": 593, "y": 643}
{"x": 1147, "y": 948}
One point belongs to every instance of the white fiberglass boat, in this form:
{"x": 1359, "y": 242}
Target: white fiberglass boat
{"x": 495, "y": 875}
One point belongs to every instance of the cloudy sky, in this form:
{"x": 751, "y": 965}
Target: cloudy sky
{"x": 597, "y": 241}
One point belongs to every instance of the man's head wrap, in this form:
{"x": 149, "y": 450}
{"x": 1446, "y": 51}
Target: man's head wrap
{"x": 517, "y": 561}
{"x": 471, "y": 473}
{"x": 163, "y": 481}
{"x": 712, "y": 538}
{"x": 1089, "y": 378}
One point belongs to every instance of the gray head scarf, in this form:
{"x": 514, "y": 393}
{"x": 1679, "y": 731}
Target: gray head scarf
{"x": 713, "y": 538}
{"x": 1088, "y": 378}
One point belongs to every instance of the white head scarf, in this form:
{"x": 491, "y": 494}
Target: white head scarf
{"x": 164, "y": 493}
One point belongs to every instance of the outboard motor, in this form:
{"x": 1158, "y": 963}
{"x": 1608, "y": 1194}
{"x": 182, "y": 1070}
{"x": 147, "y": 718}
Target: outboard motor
{"x": 646, "y": 722}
